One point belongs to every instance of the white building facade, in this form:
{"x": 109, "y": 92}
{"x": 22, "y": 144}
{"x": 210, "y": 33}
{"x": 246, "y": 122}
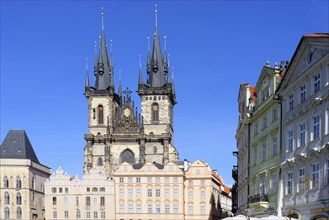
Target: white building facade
{"x": 304, "y": 97}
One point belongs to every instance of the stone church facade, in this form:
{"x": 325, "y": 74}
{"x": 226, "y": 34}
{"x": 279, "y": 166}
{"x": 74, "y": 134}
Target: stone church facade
{"x": 117, "y": 132}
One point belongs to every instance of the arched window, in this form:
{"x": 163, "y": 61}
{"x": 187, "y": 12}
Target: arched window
{"x": 155, "y": 112}
{"x": 7, "y": 198}
{"x": 100, "y": 115}
{"x": 100, "y": 161}
{"x": 19, "y": 213}
{"x": 155, "y": 150}
{"x": 18, "y": 199}
{"x": 7, "y": 213}
{"x": 127, "y": 156}
{"x": 5, "y": 182}
{"x": 18, "y": 182}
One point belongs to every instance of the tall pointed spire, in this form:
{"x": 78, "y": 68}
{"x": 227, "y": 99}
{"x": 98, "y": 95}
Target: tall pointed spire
{"x": 168, "y": 74}
{"x": 96, "y": 65}
{"x": 148, "y": 65}
{"x": 103, "y": 77}
{"x": 165, "y": 62}
{"x": 140, "y": 79}
{"x": 172, "y": 81}
{"x": 87, "y": 75}
{"x": 111, "y": 66}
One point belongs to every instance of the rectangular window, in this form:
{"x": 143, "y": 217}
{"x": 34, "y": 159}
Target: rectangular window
{"x": 138, "y": 192}
{"x": 130, "y": 179}
{"x": 274, "y": 146}
{"x": 66, "y": 201}
{"x": 130, "y": 208}
{"x": 94, "y": 113}
{"x": 302, "y": 131}
{"x": 203, "y": 210}
{"x": 190, "y": 195}
{"x": 149, "y": 192}
{"x": 291, "y": 102}
{"x": 54, "y": 214}
{"x": 290, "y": 140}
{"x": 77, "y": 201}
{"x": 54, "y": 201}
{"x": 149, "y": 209}
{"x": 202, "y": 195}
{"x": 66, "y": 190}
{"x": 263, "y": 186}
{"x": 95, "y": 215}
{"x": 122, "y": 208}
{"x": 157, "y": 192}
{"x": 315, "y": 176}
{"x": 274, "y": 114}
{"x": 255, "y": 157}
{"x": 130, "y": 192}
{"x": 95, "y": 202}
{"x": 176, "y": 193}
{"x": 166, "y": 193}
{"x": 167, "y": 210}
{"x": 301, "y": 180}
{"x": 190, "y": 210}
{"x": 256, "y": 128}
{"x": 302, "y": 91}
{"x": 157, "y": 208}
{"x": 264, "y": 151}
{"x": 316, "y": 83}
{"x": 289, "y": 183}
{"x": 175, "y": 208}
{"x": 102, "y": 201}
{"x": 53, "y": 190}
{"x": 316, "y": 127}
{"x": 121, "y": 180}
{"x": 87, "y": 201}
{"x": 138, "y": 180}
{"x": 60, "y": 189}
{"x": 87, "y": 214}
{"x": 103, "y": 215}
{"x": 149, "y": 179}
{"x": 121, "y": 192}
{"x": 138, "y": 208}
{"x": 273, "y": 183}
{"x": 264, "y": 122}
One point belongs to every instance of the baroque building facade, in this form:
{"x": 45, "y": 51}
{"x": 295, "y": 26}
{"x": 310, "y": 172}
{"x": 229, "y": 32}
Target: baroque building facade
{"x": 304, "y": 96}
{"x": 247, "y": 101}
{"x": 22, "y": 177}
{"x": 265, "y": 144}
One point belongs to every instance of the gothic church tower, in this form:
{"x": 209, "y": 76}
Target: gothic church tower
{"x": 117, "y": 133}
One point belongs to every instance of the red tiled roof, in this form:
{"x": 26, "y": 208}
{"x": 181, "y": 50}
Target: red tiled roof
{"x": 317, "y": 35}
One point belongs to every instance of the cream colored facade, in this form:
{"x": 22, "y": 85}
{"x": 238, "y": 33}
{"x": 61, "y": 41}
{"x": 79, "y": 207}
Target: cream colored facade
{"x": 22, "y": 191}
{"x": 91, "y": 197}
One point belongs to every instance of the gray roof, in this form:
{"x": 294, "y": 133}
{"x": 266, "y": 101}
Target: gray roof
{"x": 17, "y": 145}
{"x": 140, "y": 165}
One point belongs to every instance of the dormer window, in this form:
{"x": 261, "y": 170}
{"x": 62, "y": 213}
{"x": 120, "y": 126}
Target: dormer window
{"x": 100, "y": 114}
{"x": 155, "y": 112}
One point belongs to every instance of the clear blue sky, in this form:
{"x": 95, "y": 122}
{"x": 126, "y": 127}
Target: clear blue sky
{"x": 214, "y": 46}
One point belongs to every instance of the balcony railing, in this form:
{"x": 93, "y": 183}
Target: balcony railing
{"x": 258, "y": 198}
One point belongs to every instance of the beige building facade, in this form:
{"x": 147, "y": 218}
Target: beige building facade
{"x": 91, "y": 197}
{"x": 22, "y": 179}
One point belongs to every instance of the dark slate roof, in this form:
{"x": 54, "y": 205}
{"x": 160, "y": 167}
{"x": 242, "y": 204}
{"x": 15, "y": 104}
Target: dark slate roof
{"x": 17, "y": 145}
{"x": 140, "y": 165}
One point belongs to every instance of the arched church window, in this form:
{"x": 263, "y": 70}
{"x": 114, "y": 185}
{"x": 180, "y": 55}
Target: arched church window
{"x": 155, "y": 112}
{"x": 18, "y": 199}
{"x": 127, "y": 156}
{"x": 18, "y": 182}
{"x": 100, "y": 161}
{"x": 19, "y": 213}
{"x": 5, "y": 182}
{"x": 7, "y": 213}
{"x": 7, "y": 198}
{"x": 100, "y": 114}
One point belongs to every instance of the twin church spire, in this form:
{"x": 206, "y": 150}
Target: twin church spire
{"x": 158, "y": 73}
